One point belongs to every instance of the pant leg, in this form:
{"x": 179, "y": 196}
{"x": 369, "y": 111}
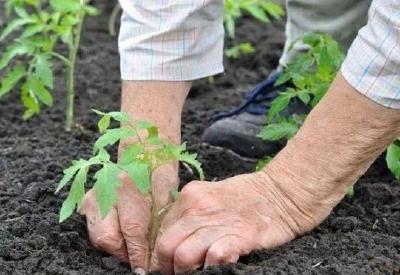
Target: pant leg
{"x": 171, "y": 40}
{"x": 339, "y": 18}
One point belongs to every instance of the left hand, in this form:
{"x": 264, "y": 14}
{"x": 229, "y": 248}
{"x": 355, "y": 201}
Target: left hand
{"x": 216, "y": 223}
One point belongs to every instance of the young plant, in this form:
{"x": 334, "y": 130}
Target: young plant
{"x": 39, "y": 27}
{"x": 138, "y": 161}
{"x": 308, "y": 78}
{"x": 261, "y": 10}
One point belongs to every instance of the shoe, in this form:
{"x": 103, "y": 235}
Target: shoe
{"x": 237, "y": 130}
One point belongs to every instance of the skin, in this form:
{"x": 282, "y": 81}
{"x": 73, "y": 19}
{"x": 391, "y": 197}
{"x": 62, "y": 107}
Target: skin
{"x": 340, "y": 139}
{"x": 124, "y": 232}
{"x": 209, "y": 225}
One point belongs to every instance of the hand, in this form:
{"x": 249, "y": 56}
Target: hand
{"x": 124, "y": 232}
{"x": 216, "y": 223}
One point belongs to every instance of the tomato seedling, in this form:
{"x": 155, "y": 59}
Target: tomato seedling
{"x": 309, "y": 76}
{"x": 39, "y": 28}
{"x": 138, "y": 161}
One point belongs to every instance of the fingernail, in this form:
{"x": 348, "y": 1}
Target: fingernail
{"x": 140, "y": 271}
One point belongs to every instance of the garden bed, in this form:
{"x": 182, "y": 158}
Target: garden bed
{"x": 362, "y": 236}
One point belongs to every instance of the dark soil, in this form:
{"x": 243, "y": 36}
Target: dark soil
{"x": 362, "y": 236}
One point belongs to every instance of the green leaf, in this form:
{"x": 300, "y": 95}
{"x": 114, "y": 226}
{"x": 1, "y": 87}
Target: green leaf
{"x": 71, "y": 171}
{"x": 131, "y": 153}
{"x": 38, "y": 88}
{"x": 139, "y": 173}
{"x": 91, "y": 11}
{"x": 118, "y": 116}
{"x": 257, "y": 12}
{"x": 104, "y": 124}
{"x": 393, "y": 159}
{"x": 13, "y": 51}
{"x": 14, "y": 25}
{"x": 278, "y": 131}
{"x": 43, "y": 69}
{"x": 261, "y": 164}
{"x": 11, "y": 79}
{"x": 106, "y": 185}
{"x": 111, "y": 136}
{"x": 65, "y": 5}
{"x": 279, "y": 104}
{"x": 75, "y": 196}
{"x": 32, "y": 30}
{"x": 179, "y": 153}
{"x": 30, "y": 102}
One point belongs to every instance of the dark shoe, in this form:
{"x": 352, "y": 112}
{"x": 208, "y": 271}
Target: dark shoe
{"x": 237, "y": 130}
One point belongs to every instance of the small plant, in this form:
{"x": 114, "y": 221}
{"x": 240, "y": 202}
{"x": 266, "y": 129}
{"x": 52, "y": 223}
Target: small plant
{"x": 137, "y": 160}
{"x": 261, "y": 10}
{"x": 40, "y": 27}
{"x": 242, "y": 49}
{"x": 308, "y": 77}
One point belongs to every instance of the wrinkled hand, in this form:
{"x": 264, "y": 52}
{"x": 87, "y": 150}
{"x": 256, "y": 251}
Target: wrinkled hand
{"x": 124, "y": 232}
{"x": 216, "y": 223}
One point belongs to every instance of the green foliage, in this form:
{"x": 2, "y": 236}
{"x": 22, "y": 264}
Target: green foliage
{"x": 261, "y": 10}
{"x": 393, "y": 159}
{"x": 308, "y": 77}
{"x": 241, "y": 49}
{"x": 37, "y": 28}
{"x": 137, "y": 160}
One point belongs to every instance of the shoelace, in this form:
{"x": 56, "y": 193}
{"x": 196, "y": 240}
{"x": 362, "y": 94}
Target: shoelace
{"x": 257, "y": 101}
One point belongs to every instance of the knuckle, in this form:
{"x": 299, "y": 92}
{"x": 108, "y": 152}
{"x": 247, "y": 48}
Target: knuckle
{"x": 134, "y": 230}
{"x": 163, "y": 248}
{"x": 183, "y": 258}
{"x": 192, "y": 189}
{"x": 108, "y": 242}
{"x": 218, "y": 254}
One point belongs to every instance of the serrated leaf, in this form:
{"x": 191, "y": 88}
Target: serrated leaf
{"x": 111, "y": 136}
{"x": 258, "y": 13}
{"x": 393, "y": 159}
{"x": 75, "y": 196}
{"x": 11, "y": 79}
{"x": 32, "y": 30}
{"x": 279, "y": 104}
{"x": 191, "y": 159}
{"x": 43, "y": 69}
{"x": 40, "y": 91}
{"x": 14, "y": 25}
{"x": 13, "y": 51}
{"x": 71, "y": 171}
{"x": 139, "y": 173}
{"x": 106, "y": 185}
{"x": 278, "y": 131}
{"x": 130, "y": 153}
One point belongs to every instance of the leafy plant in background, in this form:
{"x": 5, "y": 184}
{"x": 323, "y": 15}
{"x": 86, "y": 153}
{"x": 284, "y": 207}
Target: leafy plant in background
{"x": 39, "y": 27}
{"x": 137, "y": 160}
{"x": 308, "y": 77}
{"x": 261, "y": 10}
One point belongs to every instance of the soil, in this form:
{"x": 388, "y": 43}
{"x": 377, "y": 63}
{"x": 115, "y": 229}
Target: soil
{"x": 362, "y": 236}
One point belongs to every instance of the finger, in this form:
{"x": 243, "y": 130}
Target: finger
{"x": 134, "y": 217}
{"x": 226, "y": 250}
{"x": 191, "y": 253}
{"x": 105, "y": 233}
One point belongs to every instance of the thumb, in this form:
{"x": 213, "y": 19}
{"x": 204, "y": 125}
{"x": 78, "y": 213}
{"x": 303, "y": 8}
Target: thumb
{"x": 134, "y": 217}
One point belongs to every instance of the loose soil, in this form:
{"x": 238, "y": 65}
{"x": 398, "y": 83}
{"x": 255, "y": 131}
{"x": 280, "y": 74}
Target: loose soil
{"x": 362, "y": 236}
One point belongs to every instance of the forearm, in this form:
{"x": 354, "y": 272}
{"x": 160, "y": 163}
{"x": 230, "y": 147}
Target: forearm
{"x": 340, "y": 139}
{"x": 159, "y": 102}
